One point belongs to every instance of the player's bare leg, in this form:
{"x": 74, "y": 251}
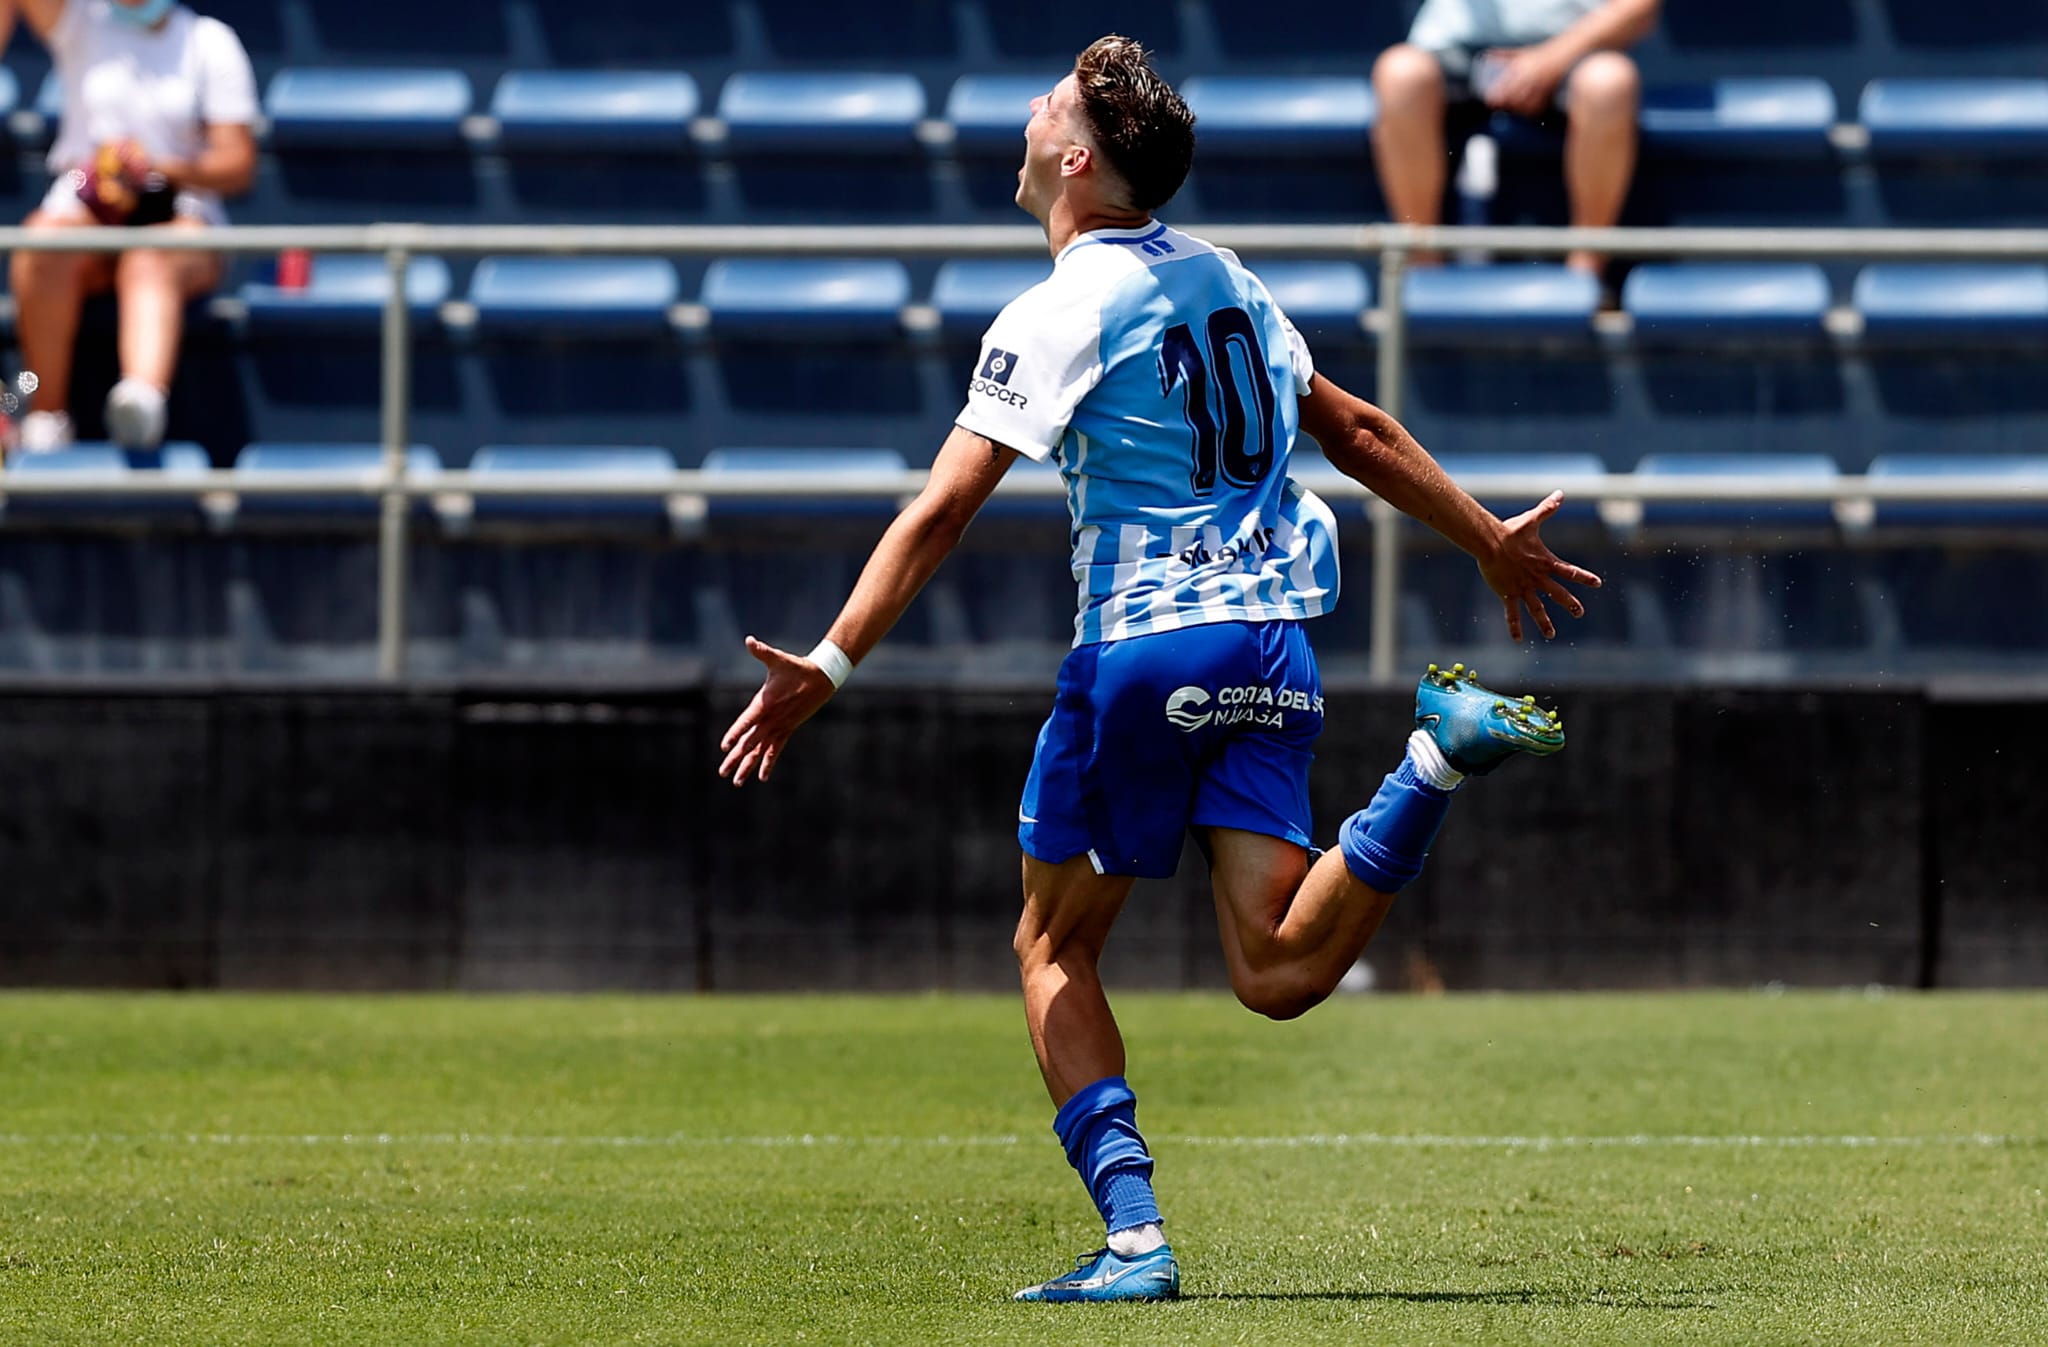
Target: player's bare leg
{"x": 1290, "y": 929}
{"x": 1408, "y": 137}
{"x": 1068, "y": 912}
{"x": 1605, "y": 93}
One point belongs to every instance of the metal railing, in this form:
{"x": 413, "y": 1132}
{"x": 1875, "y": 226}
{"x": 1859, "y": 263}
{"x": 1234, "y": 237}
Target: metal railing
{"x": 1393, "y": 244}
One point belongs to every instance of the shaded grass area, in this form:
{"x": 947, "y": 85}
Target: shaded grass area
{"x": 1467, "y": 1169}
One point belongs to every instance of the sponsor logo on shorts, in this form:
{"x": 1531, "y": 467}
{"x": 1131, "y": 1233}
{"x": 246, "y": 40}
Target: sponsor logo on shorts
{"x": 1183, "y": 708}
{"x": 1250, "y": 704}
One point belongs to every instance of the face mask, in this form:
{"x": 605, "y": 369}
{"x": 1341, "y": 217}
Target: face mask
{"x": 145, "y": 15}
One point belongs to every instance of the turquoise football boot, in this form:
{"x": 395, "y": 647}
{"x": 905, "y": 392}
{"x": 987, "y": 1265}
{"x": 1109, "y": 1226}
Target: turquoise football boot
{"x": 1477, "y": 729}
{"x": 1103, "y": 1276}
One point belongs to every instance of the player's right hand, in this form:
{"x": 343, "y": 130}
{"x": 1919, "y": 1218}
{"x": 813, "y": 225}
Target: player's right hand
{"x": 791, "y": 692}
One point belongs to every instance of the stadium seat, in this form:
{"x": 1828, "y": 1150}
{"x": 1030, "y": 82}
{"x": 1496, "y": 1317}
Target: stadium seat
{"x": 351, "y": 108}
{"x": 1783, "y": 466}
{"x": 1515, "y": 303}
{"x": 611, "y": 297}
{"x": 100, "y": 463}
{"x": 820, "y": 113}
{"x": 585, "y": 460}
{"x": 1953, "y": 302}
{"x": 1560, "y": 470}
{"x": 345, "y": 291}
{"x": 1739, "y": 117}
{"x": 1292, "y": 115}
{"x": 1326, "y": 301}
{"x": 594, "y": 110}
{"x": 1975, "y": 118}
{"x": 1726, "y": 300}
{"x": 988, "y": 112}
{"x": 797, "y": 469}
{"x": 2030, "y": 468}
{"x": 851, "y": 299}
{"x": 420, "y": 460}
{"x": 968, "y": 295}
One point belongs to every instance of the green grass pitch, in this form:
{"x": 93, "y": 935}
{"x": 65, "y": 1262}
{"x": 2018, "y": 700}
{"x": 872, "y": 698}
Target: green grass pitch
{"x": 1713, "y": 1168}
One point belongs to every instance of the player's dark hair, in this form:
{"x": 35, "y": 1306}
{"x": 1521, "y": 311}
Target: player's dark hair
{"x": 1141, "y": 125}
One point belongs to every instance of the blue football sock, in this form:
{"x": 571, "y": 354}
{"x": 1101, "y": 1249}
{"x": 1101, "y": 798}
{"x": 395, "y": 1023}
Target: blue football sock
{"x": 1099, "y": 1128}
{"x": 1384, "y": 844}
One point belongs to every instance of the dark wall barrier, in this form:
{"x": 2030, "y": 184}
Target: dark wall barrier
{"x": 577, "y": 838}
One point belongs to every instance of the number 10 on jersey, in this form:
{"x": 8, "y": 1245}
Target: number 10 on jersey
{"x": 1243, "y": 452}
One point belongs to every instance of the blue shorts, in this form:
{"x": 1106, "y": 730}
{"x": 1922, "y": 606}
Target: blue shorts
{"x": 1209, "y": 726}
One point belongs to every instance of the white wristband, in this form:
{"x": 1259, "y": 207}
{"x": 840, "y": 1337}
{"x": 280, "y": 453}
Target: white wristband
{"x": 833, "y": 661}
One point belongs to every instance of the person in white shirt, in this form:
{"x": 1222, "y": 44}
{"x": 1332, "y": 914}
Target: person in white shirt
{"x": 158, "y": 127}
{"x": 1543, "y": 59}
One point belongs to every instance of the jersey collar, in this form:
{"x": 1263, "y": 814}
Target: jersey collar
{"x": 1142, "y": 234}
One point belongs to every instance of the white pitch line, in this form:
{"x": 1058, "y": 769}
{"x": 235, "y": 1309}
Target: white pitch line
{"x": 1335, "y": 1140}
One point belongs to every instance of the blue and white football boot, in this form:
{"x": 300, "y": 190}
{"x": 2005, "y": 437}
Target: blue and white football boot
{"x": 1103, "y": 1276}
{"x": 1478, "y": 729}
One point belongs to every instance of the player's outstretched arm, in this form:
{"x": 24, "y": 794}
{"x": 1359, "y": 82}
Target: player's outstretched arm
{"x": 793, "y": 688}
{"x": 1371, "y": 447}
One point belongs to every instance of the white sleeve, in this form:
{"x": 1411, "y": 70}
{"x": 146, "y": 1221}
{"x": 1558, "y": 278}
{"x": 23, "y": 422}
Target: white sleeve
{"x": 1038, "y": 359}
{"x": 227, "y": 96}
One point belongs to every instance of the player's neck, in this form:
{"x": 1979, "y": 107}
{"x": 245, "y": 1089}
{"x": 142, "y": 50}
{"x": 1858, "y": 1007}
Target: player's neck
{"x": 1069, "y": 219}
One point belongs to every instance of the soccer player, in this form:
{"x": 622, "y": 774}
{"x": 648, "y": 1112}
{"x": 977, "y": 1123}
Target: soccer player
{"x": 1168, "y": 387}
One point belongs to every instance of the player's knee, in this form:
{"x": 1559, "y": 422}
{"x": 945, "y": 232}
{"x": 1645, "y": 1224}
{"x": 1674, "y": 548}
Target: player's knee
{"x": 1407, "y": 78}
{"x": 1277, "y": 997}
{"x": 1606, "y": 84}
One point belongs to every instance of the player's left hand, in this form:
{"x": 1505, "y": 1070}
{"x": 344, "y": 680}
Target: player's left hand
{"x": 791, "y": 692}
{"x": 1528, "y": 80}
{"x": 1525, "y": 569}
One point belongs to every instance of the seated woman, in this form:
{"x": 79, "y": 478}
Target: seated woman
{"x": 159, "y": 110}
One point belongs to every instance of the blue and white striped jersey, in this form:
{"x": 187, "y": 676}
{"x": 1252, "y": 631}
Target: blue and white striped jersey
{"x": 1161, "y": 377}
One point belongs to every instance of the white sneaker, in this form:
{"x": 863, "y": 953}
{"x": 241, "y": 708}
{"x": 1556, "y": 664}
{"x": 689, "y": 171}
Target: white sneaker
{"x": 135, "y": 414}
{"x": 43, "y": 432}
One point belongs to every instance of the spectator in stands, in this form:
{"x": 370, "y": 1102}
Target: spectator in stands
{"x": 1539, "y": 58}
{"x": 157, "y": 127}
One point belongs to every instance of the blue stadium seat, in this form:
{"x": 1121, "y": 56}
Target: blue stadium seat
{"x": 1786, "y": 466}
{"x": 348, "y": 108}
{"x": 1326, "y": 301}
{"x": 345, "y": 291}
{"x": 1953, "y": 302}
{"x": 851, "y": 299}
{"x": 1727, "y": 300}
{"x": 821, "y": 113}
{"x": 988, "y": 112}
{"x": 1561, "y": 470}
{"x": 589, "y": 110}
{"x": 1975, "y": 118}
{"x": 969, "y": 294}
{"x": 1739, "y": 117}
{"x": 1515, "y": 303}
{"x": 2031, "y": 468}
{"x": 1293, "y": 115}
{"x": 586, "y": 460}
{"x": 421, "y": 461}
{"x": 574, "y": 296}
{"x": 798, "y": 468}
{"x": 99, "y": 462}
